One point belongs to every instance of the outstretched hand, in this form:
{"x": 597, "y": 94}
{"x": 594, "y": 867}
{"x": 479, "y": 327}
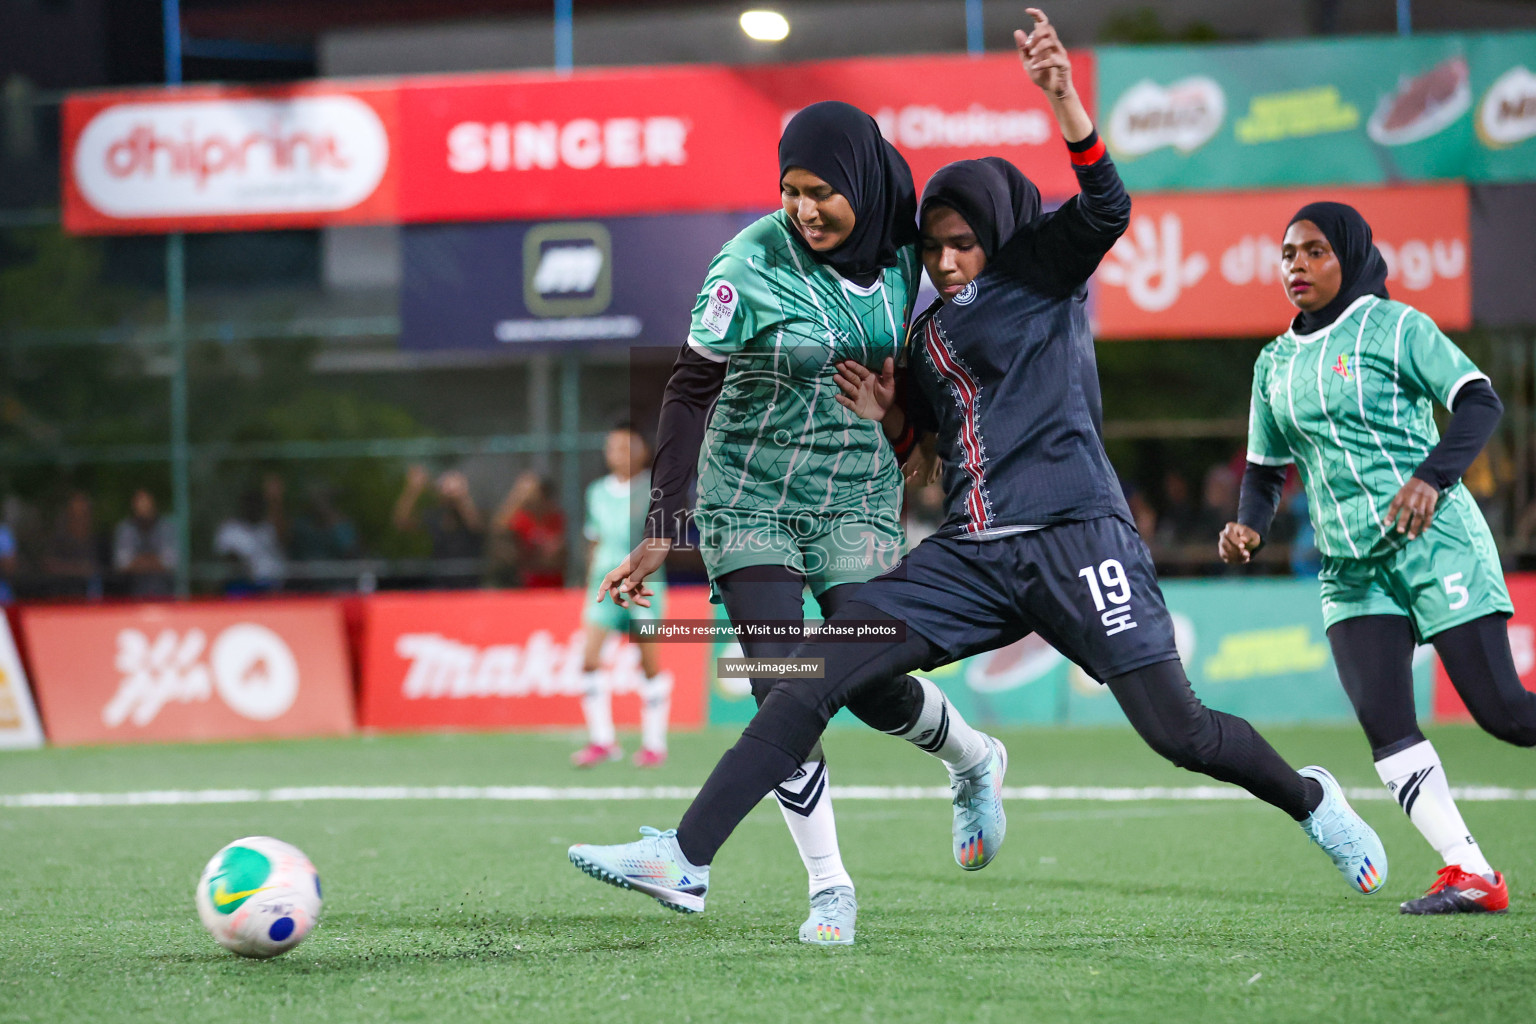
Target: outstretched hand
{"x": 627, "y": 582}
{"x": 869, "y": 395}
{"x": 1043, "y": 56}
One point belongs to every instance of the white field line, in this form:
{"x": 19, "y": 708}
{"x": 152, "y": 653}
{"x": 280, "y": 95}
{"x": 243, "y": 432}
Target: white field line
{"x": 535, "y": 794}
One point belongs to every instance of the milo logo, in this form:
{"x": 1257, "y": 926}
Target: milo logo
{"x": 241, "y": 875}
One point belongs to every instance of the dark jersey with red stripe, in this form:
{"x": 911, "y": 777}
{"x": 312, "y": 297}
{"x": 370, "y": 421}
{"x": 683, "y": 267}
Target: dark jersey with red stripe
{"x": 1006, "y": 369}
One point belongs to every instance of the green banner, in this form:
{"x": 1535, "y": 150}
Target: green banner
{"x": 1253, "y": 648}
{"x": 1356, "y": 111}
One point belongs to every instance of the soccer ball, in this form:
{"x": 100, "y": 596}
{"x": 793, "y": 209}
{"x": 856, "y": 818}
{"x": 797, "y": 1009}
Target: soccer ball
{"x": 259, "y": 897}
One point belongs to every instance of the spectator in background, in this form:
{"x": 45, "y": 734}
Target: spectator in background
{"x": 144, "y": 548}
{"x": 1179, "y": 521}
{"x": 253, "y": 540}
{"x": 322, "y": 533}
{"x": 453, "y": 525}
{"x": 73, "y": 558}
{"x": 7, "y": 563}
{"x": 1218, "y": 504}
{"x": 532, "y": 526}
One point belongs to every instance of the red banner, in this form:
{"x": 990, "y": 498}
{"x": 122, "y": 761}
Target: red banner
{"x": 522, "y": 146}
{"x": 197, "y": 671}
{"x": 510, "y": 659}
{"x": 1522, "y": 644}
{"x": 1201, "y": 266}
{"x": 211, "y": 158}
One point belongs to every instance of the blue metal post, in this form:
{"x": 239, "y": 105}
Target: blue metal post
{"x": 176, "y": 328}
{"x": 564, "y": 32}
{"x": 973, "y": 25}
{"x": 1404, "y": 17}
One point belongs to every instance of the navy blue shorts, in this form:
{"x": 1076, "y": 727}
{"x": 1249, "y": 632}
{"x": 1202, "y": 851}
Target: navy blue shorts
{"x": 1088, "y": 588}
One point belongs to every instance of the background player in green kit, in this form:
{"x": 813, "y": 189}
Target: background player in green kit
{"x": 616, "y": 506}
{"x": 1347, "y": 395}
{"x": 794, "y": 489}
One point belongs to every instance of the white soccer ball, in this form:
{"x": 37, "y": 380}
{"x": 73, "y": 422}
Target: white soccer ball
{"x": 259, "y": 897}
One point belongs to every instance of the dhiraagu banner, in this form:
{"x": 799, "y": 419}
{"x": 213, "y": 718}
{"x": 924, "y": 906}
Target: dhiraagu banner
{"x": 1254, "y": 648}
{"x": 1352, "y": 111}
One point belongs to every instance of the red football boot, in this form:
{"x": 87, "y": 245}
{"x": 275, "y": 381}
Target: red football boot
{"x": 1457, "y": 892}
{"x": 595, "y": 754}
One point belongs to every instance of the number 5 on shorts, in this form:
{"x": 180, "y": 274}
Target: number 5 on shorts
{"x": 1456, "y": 592}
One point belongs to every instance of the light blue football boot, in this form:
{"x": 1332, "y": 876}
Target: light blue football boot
{"x": 833, "y": 914}
{"x": 654, "y": 865}
{"x": 1344, "y": 836}
{"x": 980, "y": 824}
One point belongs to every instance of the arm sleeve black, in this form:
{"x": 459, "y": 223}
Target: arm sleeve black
{"x": 1059, "y": 251}
{"x": 1473, "y": 422}
{"x": 685, "y": 407}
{"x": 1259, "y": 498}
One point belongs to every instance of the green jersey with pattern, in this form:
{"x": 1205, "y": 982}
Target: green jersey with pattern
{"x": 616, "y": 519}
{"x": 1352, "y": 406}
{"x": 778, "y": 442}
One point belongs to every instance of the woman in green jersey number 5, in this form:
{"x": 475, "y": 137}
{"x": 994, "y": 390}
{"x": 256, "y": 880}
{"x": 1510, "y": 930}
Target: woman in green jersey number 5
{"x": 795, "y": 489}
{"x": 1346, "y": 394}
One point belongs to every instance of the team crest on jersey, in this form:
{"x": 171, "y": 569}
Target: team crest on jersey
{"x": 1342, "y": 367}
{"x": 965, "y": 296}
{"x": 720, "y": 309}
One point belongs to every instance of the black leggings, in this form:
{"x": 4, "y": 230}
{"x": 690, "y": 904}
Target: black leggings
{"x": 1374, "y": 655}
{"x": 1157, "y": 699}
{"x": 763, "y": 593}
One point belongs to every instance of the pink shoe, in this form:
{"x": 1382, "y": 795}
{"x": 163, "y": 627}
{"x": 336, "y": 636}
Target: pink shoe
{"x": 650, "y": 758}
{"x": 596, "y": 753}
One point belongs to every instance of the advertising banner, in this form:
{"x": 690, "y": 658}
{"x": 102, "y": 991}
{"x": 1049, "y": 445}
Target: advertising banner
{"x": 19, "y": 726}
{"x": 1251, "y": 648}
{"x": 1522, "y": 644}
{"x": 195, "y": 671}
{"x": 1362, "y": 111}
{"x": 507, "y": 660}
{"x": 522, "y": 146}
{"x": 1200, "y": 266}
{"x": 215, "y": 158}
{"x": 519, "y": 284}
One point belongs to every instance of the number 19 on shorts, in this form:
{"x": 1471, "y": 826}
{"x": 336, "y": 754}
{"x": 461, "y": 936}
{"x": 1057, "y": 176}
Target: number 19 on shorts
{"x": 1111, "y": 592}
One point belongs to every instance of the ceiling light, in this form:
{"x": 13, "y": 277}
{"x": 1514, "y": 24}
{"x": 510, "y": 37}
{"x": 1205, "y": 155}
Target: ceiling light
{"x": 765, "y": 26}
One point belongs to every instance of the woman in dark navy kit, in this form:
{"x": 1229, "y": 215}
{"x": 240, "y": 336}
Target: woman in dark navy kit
{"x": 1037, "y": 536}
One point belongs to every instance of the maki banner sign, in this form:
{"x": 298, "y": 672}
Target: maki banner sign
{"x": 1361, "y": 111}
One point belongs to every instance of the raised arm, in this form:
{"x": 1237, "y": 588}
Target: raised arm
{"x": 1063, "y": 248}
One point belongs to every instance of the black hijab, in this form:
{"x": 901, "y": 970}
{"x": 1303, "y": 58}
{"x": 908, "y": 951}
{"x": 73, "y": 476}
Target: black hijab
{"x": 1364, "y": 270}
{"x": 842, "y": 146}
{"x": 993, "y": 196}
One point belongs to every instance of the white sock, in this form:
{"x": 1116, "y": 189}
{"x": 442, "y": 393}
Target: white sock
{"x": 942, "y": 732}
{"x": 655, "y": 709}
{"x": 1416, "y": 778}
{"x": 597, "y": 707}
{"x": 807, "y": 806}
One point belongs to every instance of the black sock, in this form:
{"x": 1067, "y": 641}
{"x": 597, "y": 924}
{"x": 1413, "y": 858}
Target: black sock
{"x": 747, "y": 773}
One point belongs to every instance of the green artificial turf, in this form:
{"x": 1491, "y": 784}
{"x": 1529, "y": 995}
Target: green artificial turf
{"x": 468, "y": 910}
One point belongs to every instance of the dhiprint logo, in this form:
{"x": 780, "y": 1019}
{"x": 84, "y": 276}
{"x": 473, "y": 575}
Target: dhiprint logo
{"x": 1149, "y": 263}
{"x": 567, "y": 269}
{"x": 1184, "y": 115}
{"x": 965, "y": 296}
{"x": 231, "y": 156}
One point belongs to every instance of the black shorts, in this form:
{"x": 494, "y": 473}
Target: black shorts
{"x": 1088, "y": 588}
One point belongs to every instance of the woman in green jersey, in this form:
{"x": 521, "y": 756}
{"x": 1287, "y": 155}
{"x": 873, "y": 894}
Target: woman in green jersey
{"x": 616, "y": 506}
{"x": 1347, "y": 396}
{"x": 794, "y": 489}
